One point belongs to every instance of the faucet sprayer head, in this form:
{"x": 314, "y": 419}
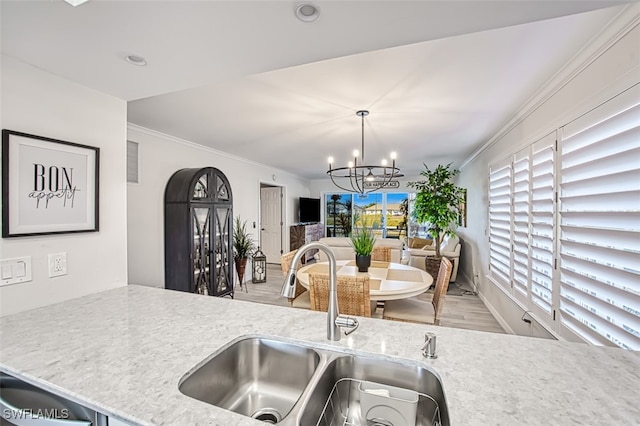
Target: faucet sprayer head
{"x": 289, "y": 284}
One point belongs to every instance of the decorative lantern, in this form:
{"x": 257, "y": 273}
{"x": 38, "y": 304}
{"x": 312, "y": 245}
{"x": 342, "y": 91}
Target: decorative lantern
{"x": 259, "y": 267}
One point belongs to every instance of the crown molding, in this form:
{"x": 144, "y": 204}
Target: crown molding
{"x": 620, "y": 25}
{"x": 174, "y": 139}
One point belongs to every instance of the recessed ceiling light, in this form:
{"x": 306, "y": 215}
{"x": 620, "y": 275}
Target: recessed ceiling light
{"x": 75, "y": 3}
{"x": 307, "y": 12}
{"x": 136, "y": 60}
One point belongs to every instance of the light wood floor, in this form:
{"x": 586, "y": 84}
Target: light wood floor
{"x": 465, "y": 311}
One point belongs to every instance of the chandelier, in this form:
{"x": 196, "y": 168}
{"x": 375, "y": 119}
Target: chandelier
{"x": 361, "y": 178}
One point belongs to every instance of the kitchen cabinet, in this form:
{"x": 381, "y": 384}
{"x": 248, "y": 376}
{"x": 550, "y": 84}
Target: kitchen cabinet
{"x": 22, "y": 403}
{"x": 198, "y": 232}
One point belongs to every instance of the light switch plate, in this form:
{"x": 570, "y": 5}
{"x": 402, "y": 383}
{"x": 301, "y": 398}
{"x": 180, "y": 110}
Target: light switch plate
{"x": 7, "y": 273}
{"x": 57, "y": 264}
{"x": 14, "y": 271}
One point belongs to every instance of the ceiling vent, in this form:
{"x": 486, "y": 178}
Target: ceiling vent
{"x": 133, "y": 163}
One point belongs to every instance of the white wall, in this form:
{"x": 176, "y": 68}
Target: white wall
{"x": 42, "y": 104}
{"x": 614, "y": 68}
{"x": 159, "y": 157}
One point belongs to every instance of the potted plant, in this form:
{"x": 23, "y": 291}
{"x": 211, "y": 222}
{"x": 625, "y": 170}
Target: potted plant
{"x": 436, "y": 204}
{"x": 243, "y": 246}
{"x": 362, "y": 241}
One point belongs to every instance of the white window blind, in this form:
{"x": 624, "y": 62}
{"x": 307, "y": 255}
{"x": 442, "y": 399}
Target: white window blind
{"x": 521, "y": 222}
{"x": 542, "y": 222}
{"x": 500, "y": 223}
{"x": 522, "y": 210}
{"x": 600, "y": 223}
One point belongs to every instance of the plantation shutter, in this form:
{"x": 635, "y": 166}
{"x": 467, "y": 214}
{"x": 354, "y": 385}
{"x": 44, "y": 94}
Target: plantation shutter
{"x": 500, "y": 223}
{"x": 542, "y": 222}
{"x": 521, "y": 207}
{"x": 600, "y": 223}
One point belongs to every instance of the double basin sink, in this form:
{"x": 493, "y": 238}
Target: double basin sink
{"x": 293, "y": 383}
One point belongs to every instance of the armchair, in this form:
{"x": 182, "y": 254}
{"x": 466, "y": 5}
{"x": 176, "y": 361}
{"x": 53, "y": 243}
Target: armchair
{"x": 449, "y": 248}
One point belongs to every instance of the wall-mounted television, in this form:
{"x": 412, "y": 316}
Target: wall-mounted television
{"x": 309, "y": 210}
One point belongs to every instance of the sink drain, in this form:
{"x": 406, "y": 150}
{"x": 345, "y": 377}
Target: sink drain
{"x": 267, "y": 415}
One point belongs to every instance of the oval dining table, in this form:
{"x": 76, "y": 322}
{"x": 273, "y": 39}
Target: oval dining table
{"x": 388, "y": 281}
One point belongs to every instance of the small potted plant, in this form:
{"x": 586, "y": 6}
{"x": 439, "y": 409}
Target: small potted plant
{"x": 243, "y": 246}
{"x": 362, "y": 241}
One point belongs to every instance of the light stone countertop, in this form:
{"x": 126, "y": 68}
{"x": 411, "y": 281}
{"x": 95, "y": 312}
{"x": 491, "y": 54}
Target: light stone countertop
{"x": 123, "y": 352}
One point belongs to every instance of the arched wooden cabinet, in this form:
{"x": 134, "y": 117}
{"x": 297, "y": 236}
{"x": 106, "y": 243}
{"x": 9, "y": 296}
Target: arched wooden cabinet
{"x": 198, "y": 232}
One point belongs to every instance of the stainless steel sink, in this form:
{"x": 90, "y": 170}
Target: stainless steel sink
{"x": 337, "y": 390}
{"x": 259, "y": 377}
{"x": 291, "y": 383}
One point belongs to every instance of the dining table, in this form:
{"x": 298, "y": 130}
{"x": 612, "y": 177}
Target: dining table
{"x": 387, "y": 280}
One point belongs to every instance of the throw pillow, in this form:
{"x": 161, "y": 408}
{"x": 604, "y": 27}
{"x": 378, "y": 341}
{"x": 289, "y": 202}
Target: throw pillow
{"x": 419, "y": 243}
{"x": 450, "y": 244}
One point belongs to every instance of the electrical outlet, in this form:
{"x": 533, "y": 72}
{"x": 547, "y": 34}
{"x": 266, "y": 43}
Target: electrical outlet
{"x": 57, "y": 264}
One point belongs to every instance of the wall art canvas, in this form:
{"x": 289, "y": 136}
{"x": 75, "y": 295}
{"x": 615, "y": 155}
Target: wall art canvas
{"x": 49, "y": 186}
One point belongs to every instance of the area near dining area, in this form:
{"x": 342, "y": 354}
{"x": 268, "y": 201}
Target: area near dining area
{"x": 389, "y": 283}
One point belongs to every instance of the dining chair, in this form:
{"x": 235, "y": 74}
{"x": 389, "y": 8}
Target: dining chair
{"x": 381, "y": 254}
{"x": 415, "y": 310}
{"x": 353, "y": 294}
{"x": 301, "y": 298}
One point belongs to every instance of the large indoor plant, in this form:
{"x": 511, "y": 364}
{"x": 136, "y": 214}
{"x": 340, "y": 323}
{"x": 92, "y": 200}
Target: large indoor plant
{"x": 437, "y": 203}
{"x": 362, "y": 240}
{"x": 243, "y": 246}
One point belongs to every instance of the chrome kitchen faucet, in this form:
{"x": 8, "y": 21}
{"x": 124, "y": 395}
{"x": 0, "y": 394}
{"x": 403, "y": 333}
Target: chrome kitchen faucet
{"x": 334, "y": 319}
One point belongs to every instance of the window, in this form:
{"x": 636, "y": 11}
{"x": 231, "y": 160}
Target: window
{"x": 500, "y": 224}
{"x": 600, "y": 224}
{"x": 564, "y": 225}
{"x": 521, "y": 224}
{"x": 387, "y": 213}
{"x": 396, "y": 214}
{"x": 542, "y": 222}
{"x": 338, "y": 215}
{"x": 369, "y": 211}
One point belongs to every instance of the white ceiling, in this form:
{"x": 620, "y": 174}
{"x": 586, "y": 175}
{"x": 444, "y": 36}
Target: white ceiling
{"x": 248, "y": 78}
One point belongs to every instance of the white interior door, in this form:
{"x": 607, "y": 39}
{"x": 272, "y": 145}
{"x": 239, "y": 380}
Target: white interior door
{"x": 271, "y": 221}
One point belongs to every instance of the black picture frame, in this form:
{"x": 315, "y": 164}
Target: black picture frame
{"x": 49, "y": 186}
{"x": 462, "y": 210}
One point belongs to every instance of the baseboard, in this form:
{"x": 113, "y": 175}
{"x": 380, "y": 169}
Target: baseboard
{"x": 496, "y": 314}
{"x": 549, "y": 333}
{"x": 463, "y": 278}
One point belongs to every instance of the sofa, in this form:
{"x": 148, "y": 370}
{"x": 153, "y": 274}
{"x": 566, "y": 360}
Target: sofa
{"x": 450, "y": 248}
{"x": 343, "y": 250}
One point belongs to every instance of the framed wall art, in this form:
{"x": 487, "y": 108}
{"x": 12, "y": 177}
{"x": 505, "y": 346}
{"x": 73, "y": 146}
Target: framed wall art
{"x": 49, "y": 186}
{"x": 462, "y": 210}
